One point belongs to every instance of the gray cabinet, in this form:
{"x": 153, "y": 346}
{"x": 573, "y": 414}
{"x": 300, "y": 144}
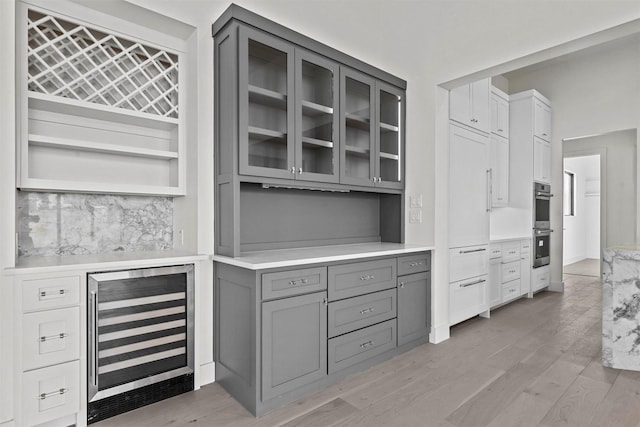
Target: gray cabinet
{"x": 371, "y": 126}
{"x": 291, "y": 115}
{"x": 414, "y": 297}
{"x": 294, "y": 343}
{"x": 282, "y": 333}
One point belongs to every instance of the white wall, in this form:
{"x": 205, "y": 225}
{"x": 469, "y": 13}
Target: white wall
{"x": 590, "y": 95}
{"x": 581, "y": 232}
{"x": 618, "y": 175}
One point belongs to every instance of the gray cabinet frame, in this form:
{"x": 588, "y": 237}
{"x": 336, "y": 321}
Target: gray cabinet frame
{"x": 244, "y": 348}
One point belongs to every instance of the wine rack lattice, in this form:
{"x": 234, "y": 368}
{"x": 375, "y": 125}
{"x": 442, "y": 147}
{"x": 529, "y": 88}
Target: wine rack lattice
{"x": 74, "y": 61}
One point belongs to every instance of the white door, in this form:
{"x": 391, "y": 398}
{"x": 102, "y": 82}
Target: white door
{"x": 468, "y": 187}
{"x": 542, "y": 114}
{"x": 480, "y": 92}
{"x": 460, "y": 104}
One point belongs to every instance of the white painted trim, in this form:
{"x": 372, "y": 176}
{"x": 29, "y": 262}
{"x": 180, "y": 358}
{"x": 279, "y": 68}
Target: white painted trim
{"x": 439, "y": 333}
{"x": 207, "y": 374}
{"x": 556, "y": 287}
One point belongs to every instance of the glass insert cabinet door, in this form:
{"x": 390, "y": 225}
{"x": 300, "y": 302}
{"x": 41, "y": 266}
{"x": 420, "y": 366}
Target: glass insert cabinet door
{"x": 316, "y": 118}
{"x": 389, "y": 120}
{"x": 266, "y": 105}
{"x": 357, "y": 128}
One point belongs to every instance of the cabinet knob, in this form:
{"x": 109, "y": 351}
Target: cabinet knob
{"x": 401, "y": 285}
{"x": 300, "y": 171}
{"x": 500, "y": 130}
{"x": 292, "y": 169}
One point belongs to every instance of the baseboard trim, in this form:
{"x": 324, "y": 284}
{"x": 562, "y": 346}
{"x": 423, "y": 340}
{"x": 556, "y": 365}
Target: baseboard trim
{"x": 439, "y": 334}
{"x": 556, "y": 287}
{"x": 207, "y": 374}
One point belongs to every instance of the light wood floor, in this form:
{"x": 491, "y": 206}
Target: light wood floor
{"x": 586, "y": 267}
{"x": 536, "y": 362}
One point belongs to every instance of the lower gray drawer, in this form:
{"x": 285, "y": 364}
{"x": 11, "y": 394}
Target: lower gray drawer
{"x": 355, "y": 347}
{"x": 354, "y": 313}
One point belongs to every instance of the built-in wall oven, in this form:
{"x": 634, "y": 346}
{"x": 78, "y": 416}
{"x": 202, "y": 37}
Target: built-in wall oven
{"x": 140, "y": 338}
{"x": 541, "y": 223}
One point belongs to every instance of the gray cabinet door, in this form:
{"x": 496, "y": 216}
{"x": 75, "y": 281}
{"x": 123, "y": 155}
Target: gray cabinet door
{"x": 294, "y": 343}
{"x": 389, "y": 152}
{"x": 414, "y": 307}
{"x": 266, "y": 105}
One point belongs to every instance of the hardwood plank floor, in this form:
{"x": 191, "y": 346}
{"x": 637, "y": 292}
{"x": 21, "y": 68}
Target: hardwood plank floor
{"x": 535, "y": 362}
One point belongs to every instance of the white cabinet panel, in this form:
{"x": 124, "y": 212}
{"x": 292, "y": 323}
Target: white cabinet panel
{"x": 469, "y": 105}
{"x": 466, "y": 262}
{"x": 51, "y": 337}
{"x": 542, "y": 125}
{"x": 495, "y": 283}
{"x": 499, "y": 171}
{"x": 511, "y": 290}
{"x": 469, "y": 202}
{"x": 525, "y": 271}
{"x": 499, "y": 112}
{"x": 510, "y": 271}
{"x": 51, "y": 292}
{"x": 510, "y": 251}
{"x": 541, "y": 161}
{"x": 467, "y": 298}
{"x": 539, "y": 278}
{"x": 50, "y": 393}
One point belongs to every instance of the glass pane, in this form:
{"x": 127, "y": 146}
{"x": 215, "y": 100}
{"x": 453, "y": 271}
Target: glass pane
{"x": 317, "y": 119}
{"x": 267, "y": 115}
{"x": 358, "y": 137}
{"x": 390, "y": 137}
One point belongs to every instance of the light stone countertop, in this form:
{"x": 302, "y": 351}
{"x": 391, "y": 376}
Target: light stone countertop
{"x": 320, "y": 254}
{"x": 501, "y": 239}
{"x": 32, "y": 265}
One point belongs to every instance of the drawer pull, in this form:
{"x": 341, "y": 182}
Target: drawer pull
{"x": 60, "y": 292}
{"x": 472, "y": 250}
{"x": 366, "y": 344}
{"x": 59, "y": 336}
{"x": 43, "y": 396}
{"x": 415, "y": 264}
{"x": 366, "y": 310}
{"x": 367, "y": 277}
{"x": 296, "y": 282}
{"x": 464, "y": 285}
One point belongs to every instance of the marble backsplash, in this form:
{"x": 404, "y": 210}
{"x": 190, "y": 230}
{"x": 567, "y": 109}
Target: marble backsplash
{"x": 51, "y": 224}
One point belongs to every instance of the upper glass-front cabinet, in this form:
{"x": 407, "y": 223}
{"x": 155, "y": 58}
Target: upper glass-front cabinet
{"x": 316, "y": 118}
{"x": 266, "y": 89}
{"x": 358, "y": 134}
{"x": 372, "y": 123}
{"x": 390, "y": 113}
{"x": 290, "y": 96}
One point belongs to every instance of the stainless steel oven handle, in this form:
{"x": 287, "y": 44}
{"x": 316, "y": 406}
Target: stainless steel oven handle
{"x": 469, "y": 251}
{"x": 93, "y": 337}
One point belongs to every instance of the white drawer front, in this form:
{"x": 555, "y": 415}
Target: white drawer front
{"x": 511, "y": 290}
{"x": 42, "y": 294}
{"x": 510, "y": 251}
{"x": 510, "y": 271}
{"x": 467, "y": 262}
{"x": 50, "y": 337}
{"x": 539, "y": 278}
{"x": 50, "y": 393}
{"x": 467, "y": 298}
{"x": 495, "y": 250}
{"x": 525, "y": 246}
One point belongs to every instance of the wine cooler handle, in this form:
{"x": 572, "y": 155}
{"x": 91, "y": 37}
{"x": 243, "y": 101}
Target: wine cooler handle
{"x": 93, "y": 338}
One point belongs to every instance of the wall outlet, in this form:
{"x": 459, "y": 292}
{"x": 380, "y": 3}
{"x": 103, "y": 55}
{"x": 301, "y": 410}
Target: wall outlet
{"x": 415, "y": 216}
{"x": 415, "y": 201}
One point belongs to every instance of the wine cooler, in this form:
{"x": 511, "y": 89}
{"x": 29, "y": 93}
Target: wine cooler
{"x": 140, "y": 338}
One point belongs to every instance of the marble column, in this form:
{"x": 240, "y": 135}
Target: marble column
{"x": 621, "y": 307}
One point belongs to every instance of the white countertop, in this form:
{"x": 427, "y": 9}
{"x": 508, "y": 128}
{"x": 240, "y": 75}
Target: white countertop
{"x": 30, "y": 265}
{"x": 321, "y": 254}
{"x": 500, "y": 239}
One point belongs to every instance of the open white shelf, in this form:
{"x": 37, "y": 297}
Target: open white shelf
{"x": 316, "y": 142}
{"x": 268, "y": 133}
{"x": 99, "y": 112}
{"x": 312, "y": 109}
{"x": 97, "y": 147}
{"x": 267, "y": 97}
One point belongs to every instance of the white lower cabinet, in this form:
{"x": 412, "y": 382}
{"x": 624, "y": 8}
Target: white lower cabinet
{"x": 50, "y": 393}
{"x": 540, "y": 278}
{"x": 467, "y": 298}
{"x": 509, "y": 276}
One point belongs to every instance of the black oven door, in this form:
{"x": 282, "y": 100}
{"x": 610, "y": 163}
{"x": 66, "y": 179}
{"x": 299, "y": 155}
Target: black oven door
{"x": 542, "y": 212}
{"x": 541, "y": 248}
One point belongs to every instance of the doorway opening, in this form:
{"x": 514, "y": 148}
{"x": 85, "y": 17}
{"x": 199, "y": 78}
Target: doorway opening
{"x": 581, "y": 215}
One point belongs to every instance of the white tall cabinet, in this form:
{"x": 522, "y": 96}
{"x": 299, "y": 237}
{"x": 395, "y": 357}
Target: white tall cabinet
{"x": 499, "y": 142}
{"x": 469, "y": 200}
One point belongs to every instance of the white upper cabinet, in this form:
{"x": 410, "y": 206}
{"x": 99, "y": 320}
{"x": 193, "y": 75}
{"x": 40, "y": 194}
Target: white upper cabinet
{"x": 499, "y": 112}
{"x": 469, "y": 104}
{"x": 499, "y": 171}
{"x": 542, "y": 114}
{"x": 541, "y": 161}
